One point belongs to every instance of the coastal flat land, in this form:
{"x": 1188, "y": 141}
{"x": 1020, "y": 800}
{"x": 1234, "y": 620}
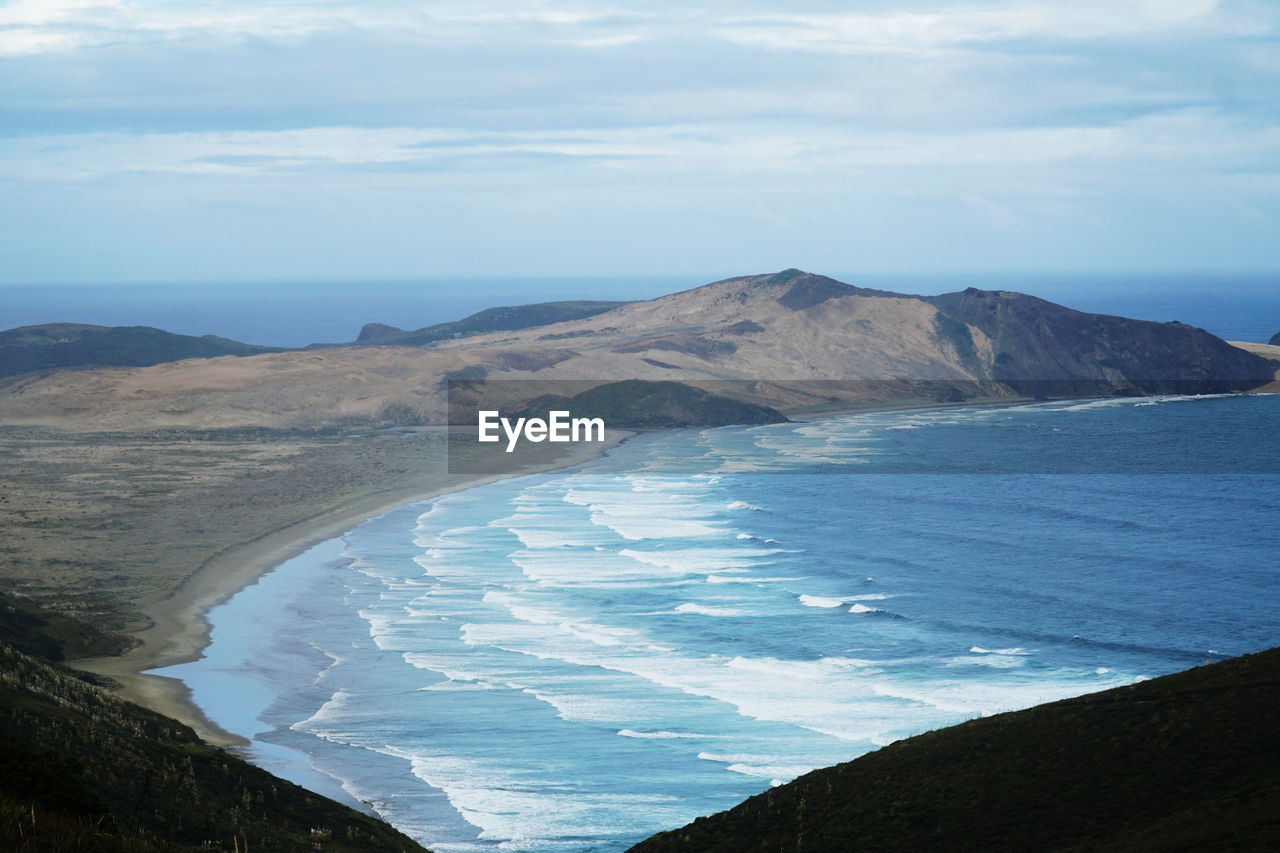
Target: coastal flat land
{"x": 103, "y": 525}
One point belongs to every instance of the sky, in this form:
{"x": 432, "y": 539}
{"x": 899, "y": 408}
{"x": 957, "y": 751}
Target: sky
{"x": 167, "y": 140}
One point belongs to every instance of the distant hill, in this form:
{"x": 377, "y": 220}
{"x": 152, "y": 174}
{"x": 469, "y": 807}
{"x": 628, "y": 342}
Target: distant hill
{"x": 508, "y": 318}
{"x": 1188, "y": 761}
{"x": 59, "y": 345}
{"x": 1275, "y": 340}
{"x": 63, "y": 345}
{"x": 791, "y": 341}
{"x": 83, "y": 770}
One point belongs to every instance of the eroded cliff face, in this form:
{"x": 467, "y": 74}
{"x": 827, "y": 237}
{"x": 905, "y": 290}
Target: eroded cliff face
{"x": 789, "y": 340}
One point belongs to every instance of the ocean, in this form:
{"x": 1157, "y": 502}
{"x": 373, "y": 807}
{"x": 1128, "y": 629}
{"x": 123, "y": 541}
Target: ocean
{"x": 294, "y": 314}
{"x": 574, "y": 660}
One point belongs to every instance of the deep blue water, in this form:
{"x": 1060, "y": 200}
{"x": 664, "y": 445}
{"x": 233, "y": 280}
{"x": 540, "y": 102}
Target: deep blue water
{"x": 575, "y": 660}
{"x": 301, "y": 313}
{"x": 1235, "y": 307}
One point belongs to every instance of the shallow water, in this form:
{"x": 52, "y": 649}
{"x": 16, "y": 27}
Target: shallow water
{"x": 575, "y": 660}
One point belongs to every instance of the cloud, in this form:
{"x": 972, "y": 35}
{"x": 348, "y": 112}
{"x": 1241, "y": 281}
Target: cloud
{"x": 36, "y": 26}
{"x": 795, "y": 124}
{"x": 958, "y": 27}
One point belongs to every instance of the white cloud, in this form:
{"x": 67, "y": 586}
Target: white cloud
{"x": 705, "y": 153}
{"x": 35, "y": 26}
{"x": 753, "y": 111}
{"x": 958, "y": 26}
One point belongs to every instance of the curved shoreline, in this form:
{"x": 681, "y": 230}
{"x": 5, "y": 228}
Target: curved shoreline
{"x": 179, "y": 628}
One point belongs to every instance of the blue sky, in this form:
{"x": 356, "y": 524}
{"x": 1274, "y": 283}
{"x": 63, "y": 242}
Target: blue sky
{"x": 155, "y": 141}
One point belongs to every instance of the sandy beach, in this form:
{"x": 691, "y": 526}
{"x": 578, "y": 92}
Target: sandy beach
{"x": 178, "y": 630}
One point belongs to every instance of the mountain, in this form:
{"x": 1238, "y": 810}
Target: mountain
{"x": 796, "y": 341}
{"x": 791, "y": 341}
{"x": 1039, "y": 345}
{"x": 1188, "y": 761}
{"x": 62, "y": 345}
{"x": 1275, "y": 340}
{"x": 507, "y": 318}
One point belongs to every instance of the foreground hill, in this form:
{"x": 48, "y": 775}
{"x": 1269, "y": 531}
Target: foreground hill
{"x": 791, "y": 341}
{"x": 1188, "y": 761}
{"x": 82, "y": 770}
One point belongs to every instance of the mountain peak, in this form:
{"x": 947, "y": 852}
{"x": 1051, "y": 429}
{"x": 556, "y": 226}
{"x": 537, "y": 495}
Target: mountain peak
{"x": 807, "y": 290}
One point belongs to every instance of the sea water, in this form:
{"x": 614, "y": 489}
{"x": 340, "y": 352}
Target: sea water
{"x": 575, "y": 660}
{"x": 293, "y": 314}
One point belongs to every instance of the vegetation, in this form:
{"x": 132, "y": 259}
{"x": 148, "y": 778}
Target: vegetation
{"x": 1189, "y": 761}
{"x": 504, "y": 319}
{"x": 30, "y": 629}
{"x": 59, "y": 345}
{"x": 636, "y": 403}
{"x": 83, "y": 770}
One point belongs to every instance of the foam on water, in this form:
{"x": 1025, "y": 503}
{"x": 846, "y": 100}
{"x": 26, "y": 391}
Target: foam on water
{"x": 573, "y": 661}
{"x": 708, "y": 609}
{"x": 819, "y": 601}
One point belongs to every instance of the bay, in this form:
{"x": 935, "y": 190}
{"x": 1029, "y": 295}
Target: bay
{"x": 575, "y": 660}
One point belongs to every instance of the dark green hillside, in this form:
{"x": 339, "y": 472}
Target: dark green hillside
{"x": 637, "y": 403}
{"x": 82, "y": 770}
{"x": 505, "y": 319}
{"x": 36, "y": 631}
{"x": 59, "y": 345}
{"x": 1275, "y": 340}
{"x": 1189, "y": 761}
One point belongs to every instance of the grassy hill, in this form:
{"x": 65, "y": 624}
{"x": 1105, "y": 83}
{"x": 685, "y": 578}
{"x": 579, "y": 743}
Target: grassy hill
{"x": 1189, "y": 761}
{"x": 35, "y": 631}
{"x": 83, "y": 770}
